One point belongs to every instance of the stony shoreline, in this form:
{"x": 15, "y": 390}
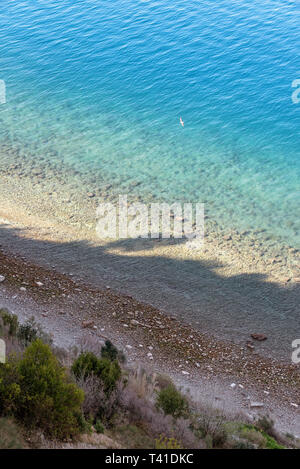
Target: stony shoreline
{"x": 235, "y": 377}
{"x": 227, "y": 288}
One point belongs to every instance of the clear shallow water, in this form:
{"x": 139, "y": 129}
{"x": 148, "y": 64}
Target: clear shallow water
{"x": 101, "y": 86}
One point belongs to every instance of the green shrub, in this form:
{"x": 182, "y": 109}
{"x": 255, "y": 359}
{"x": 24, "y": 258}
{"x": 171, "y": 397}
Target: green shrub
{"x": 9, "y": 320}
{"x": 30, "y": 331}
{"x": 172, "y": 402}
{"x": 48, "y": 398}
{"x": 252, "y": 435}
{"x": 109, "y": 351}
{"x": 85, "y": 425}
{"x": 10, "y": 389}
{"x": 99, "y": 427}
{"x": 112, "y": 353}
{"x": 271, "y": 443}
{"x": 85, "y": 365}
{"x": 27, "y": 333}
{"x": 258, "y": 437}
{"x": 108, "y": 372}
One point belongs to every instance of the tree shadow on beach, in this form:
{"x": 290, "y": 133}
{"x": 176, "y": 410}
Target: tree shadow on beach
{"x": 194, "y": 291}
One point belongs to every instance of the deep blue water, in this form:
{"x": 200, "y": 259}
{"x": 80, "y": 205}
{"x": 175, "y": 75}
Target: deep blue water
{"x": 102, "y": 84}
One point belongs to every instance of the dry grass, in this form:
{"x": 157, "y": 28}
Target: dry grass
{"x": 130, "y": 415}
{"x": 10, "y": 435}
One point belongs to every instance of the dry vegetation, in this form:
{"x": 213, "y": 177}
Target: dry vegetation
{"x": 89, "y": 398}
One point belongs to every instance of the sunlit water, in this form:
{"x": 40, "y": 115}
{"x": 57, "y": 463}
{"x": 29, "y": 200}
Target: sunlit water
{"x": 101, "y": 85}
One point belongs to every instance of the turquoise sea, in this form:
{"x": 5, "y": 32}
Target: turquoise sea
{"x": 101, "y": 85}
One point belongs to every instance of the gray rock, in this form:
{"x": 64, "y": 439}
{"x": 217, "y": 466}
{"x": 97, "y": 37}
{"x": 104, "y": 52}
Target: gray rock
{"x": 134, "y": 322}
{"x": 256, "y": 404}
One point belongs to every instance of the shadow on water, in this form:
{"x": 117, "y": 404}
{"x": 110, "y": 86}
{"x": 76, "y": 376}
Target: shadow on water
{"x": 230, "y": 307}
